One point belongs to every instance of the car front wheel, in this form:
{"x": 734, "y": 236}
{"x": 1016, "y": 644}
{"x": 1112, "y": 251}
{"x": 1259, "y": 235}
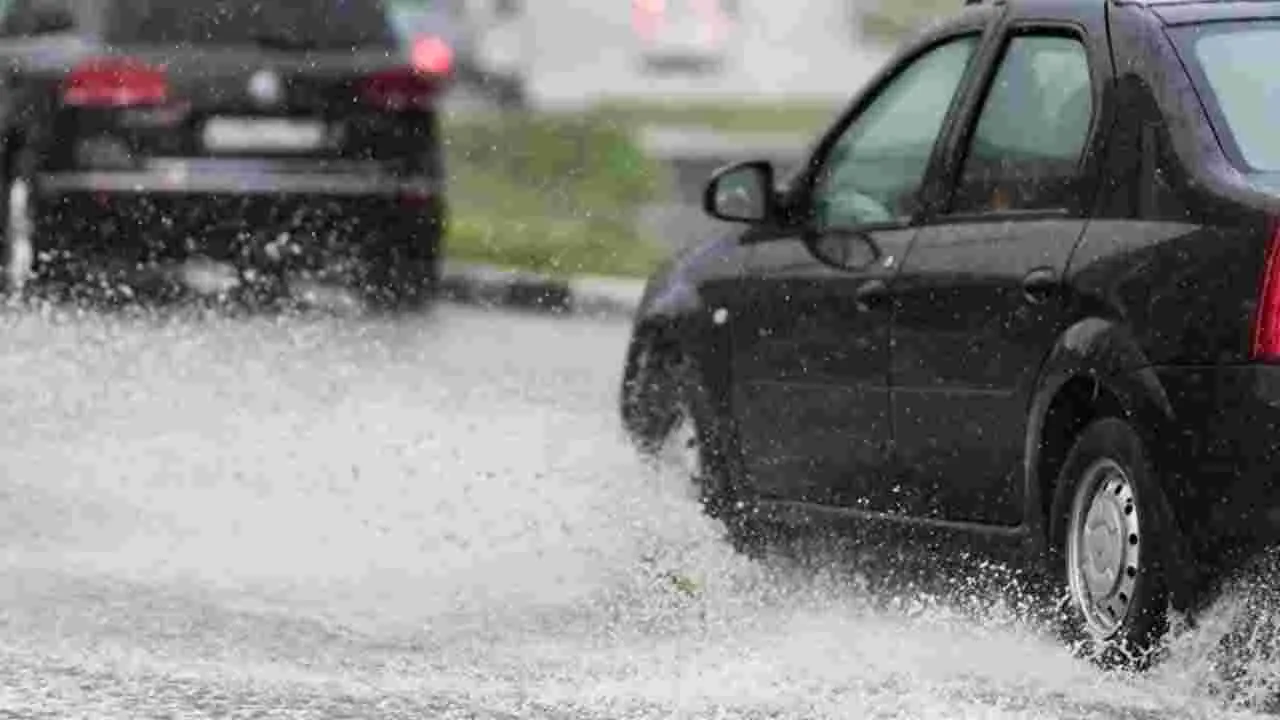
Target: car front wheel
{"x": 1116, "y": 537}
{"x": 694, "y": 439}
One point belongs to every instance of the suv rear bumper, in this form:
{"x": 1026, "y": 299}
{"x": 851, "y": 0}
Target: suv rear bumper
{"x": 129, "y": 225}
{"x": 168, "y": 177}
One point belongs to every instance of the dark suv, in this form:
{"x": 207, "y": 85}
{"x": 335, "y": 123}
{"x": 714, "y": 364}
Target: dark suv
{"x": 1025, "y": 293}
{"x": 218, "y": 141}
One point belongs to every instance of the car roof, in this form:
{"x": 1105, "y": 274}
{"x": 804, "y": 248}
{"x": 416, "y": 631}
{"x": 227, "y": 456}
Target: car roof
{"x": 1143, "y": 3}
{"x": 1172, "y": 12}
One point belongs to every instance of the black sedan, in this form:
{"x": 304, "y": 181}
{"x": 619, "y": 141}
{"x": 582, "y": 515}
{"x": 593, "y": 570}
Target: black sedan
{"x": 1025, "y": 295}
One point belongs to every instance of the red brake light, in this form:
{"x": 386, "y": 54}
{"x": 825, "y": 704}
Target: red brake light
{"x": 1266, "y": 323}
{"x": 399, "y": 89}
{"x": 115, "y": 82}
{"x": 432, "y": 56}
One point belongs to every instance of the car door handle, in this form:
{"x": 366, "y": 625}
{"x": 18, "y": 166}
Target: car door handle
{"x": 1040, "y": 285}
{"x": 871, "y": 294}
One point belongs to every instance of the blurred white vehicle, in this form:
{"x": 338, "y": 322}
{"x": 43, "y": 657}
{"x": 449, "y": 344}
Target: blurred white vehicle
{"x": 688, "y": 35}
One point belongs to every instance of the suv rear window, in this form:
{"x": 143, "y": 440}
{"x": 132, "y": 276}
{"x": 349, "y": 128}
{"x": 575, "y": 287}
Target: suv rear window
{"x": 275, "y": 24}
{"x": 1234, "y": 65}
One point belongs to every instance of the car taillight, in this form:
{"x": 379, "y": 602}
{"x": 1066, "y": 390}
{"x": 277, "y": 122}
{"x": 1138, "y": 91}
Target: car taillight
{"x": 432, "y": 56}
{"x": 115, "y": 83}
{"x": 1266, "y": 323}
{"x": 399, "y": 89}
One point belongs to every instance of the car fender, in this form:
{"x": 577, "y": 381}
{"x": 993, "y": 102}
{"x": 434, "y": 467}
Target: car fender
{"x": 672, "y": 321}
{"x": 1105, "y": 352}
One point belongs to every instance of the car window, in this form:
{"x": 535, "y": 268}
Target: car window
{"x": 1025, "y": 151}
{"x": 875, "y": 170}
{"x": 1237, "y": 63}
{"x": 280, "y": 24}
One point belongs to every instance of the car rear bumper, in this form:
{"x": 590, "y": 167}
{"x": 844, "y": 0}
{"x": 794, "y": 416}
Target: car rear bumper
{"x": 234, "y": 177}
{"x": 1226, "y": 447}
{"x": 129, "y": 224}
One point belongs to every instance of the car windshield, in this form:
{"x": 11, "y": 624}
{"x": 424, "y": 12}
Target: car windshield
{"x": 1235, "y": 66}
{"x": 301, "y": 24}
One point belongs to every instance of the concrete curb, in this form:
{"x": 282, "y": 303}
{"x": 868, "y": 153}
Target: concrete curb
{"x": 496, "y": 287}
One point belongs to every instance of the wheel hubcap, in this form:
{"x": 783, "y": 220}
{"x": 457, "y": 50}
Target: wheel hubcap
{"x": 17, "y": 235}
{"x": 1104, "y": 542}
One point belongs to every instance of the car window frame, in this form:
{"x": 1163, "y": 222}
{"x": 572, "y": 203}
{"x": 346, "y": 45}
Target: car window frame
{"x": 983, "y": 23}
{"x": 824, "y": 168}
{"x": 1087, "y": 166}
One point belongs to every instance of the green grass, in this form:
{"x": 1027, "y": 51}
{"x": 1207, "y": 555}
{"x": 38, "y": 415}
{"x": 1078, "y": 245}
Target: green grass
{"x": 510, "y": 225}
{"x": 796, "y": 118}
{"x": 553, "y": 195}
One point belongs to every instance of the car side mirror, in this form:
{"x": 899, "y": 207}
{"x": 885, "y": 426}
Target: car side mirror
{"x": 844, "y": 249}
{"x": 742, "y": 192}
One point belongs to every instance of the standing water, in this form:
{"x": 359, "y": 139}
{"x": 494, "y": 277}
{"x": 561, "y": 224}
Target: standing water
{"x": 436, "y": 517}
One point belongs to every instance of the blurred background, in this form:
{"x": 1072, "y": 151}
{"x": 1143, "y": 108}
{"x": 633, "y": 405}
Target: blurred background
{"x": 581, "y": 132}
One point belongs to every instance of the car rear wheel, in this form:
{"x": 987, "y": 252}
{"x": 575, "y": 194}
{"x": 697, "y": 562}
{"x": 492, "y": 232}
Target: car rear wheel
{"x": 404, "y": 273}
{"x": 1116, "y": 537}
{"x": 19, "y": 233}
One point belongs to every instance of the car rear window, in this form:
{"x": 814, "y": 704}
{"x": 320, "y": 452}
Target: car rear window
{"x": 277, "y": 24}
{"x": 1234, "y": 65}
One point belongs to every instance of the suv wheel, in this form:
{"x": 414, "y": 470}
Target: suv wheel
{"x": 404, "y": 273}
{"x": 19, "y": 234}
{"x": 1116, "y": 537}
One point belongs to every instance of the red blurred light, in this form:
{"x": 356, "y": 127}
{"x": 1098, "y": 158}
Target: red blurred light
{"x": 432, "y": 56}
{"x": 115, "y": 82}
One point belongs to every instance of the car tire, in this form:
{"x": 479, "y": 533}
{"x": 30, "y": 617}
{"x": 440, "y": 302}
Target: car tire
{"x": 19, "y": 236}
{"x": 511, "y": 95}
{"x": 696, "y": 432}
{"x": 404, "y": 272}
{"x": 647, "y": 402}
{"x": 1115, "y": 535}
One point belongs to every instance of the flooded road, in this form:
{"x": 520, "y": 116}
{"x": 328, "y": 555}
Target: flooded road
{"x": 435, "y": 517}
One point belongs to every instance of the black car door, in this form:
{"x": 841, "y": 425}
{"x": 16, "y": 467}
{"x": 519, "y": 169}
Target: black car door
{"x": 811, "y": 335}
{"x": 980, "y": 300}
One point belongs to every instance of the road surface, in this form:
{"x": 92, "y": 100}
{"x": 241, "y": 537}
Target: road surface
{"x": 435, "y": 517}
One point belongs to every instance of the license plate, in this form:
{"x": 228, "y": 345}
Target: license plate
{"x": 267, "y": 134}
